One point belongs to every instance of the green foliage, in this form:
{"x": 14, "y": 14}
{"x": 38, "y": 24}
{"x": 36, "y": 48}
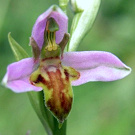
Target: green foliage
{"x": 18, "y": 51}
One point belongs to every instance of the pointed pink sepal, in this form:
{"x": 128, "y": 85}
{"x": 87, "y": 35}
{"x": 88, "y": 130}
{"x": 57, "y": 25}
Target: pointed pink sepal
{"x": 95, "y": 66}
{"x": 17, "y": 76}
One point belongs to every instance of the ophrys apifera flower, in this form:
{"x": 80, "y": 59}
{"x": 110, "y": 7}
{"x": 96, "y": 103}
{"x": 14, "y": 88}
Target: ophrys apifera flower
{"x": 54, "y": 71}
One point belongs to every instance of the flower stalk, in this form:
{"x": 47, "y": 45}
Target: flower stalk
{"x": 41, "y": 111}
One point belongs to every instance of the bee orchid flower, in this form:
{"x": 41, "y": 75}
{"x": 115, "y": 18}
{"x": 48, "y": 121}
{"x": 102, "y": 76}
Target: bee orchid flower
{"x": 54, "y": 71}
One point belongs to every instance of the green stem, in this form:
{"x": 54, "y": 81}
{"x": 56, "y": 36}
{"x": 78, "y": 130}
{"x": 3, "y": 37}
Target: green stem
{"x": 57, "y": 130}
{"x": 37, "y": 101}
{"x": 45, "y": 112}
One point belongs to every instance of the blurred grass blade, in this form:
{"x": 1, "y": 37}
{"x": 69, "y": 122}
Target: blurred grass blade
{"x": 36, "y": 98}
{"x": 3, "y": 10}
{"x": 18, "y": 51}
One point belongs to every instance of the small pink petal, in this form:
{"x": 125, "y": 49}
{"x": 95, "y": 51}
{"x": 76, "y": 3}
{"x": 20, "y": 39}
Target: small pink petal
{"x": 17, "y": 76}
{"x": 95, "y": 66}
{"x": 39, "y": 27}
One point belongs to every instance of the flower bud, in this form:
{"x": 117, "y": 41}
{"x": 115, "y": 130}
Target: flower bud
{"x": 85, "y": 13}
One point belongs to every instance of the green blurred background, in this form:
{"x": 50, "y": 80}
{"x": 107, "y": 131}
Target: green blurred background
{"x": 100, "y": 108}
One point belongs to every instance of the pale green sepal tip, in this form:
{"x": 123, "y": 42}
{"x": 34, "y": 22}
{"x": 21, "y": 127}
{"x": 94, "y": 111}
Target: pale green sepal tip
{"x": 54, "y": 7}
{"x": 18, "y": 51}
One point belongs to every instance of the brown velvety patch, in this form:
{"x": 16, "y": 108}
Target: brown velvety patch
{"x": 40, "y": 79}
{"x": 60, "y": 102}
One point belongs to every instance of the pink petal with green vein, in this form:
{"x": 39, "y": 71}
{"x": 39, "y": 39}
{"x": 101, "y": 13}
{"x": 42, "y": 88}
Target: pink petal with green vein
{"x": 39, "y": 27}
{"x": 17, "y": 76}
{"x": 95, "y": 66}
